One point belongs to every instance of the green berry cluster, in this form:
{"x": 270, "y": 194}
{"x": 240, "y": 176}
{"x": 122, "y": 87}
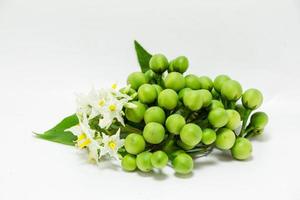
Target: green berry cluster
{"x": 179, "y": 117}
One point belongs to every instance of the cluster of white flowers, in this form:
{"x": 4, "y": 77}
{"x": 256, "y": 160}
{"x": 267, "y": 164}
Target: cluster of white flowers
{"x": 107, "y": 105}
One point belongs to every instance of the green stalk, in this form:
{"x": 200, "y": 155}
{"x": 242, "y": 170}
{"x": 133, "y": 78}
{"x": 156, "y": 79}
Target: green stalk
{"x": 200, "y": 152}
{"x": 249, "y": 129}
{"x": 159, "y": 80}
{"x": 225, "y": 102}
{"x": 249, "y": 134}
{"x": 253, "y": 132}
{"x": 231, "y": 104}
{"x": 186, "y": 113}
{"x": 130, "y": 129}
{"x": 245, "y": 120}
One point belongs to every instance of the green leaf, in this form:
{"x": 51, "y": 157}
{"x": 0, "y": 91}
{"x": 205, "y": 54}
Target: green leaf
{"x": 143, "y": 56}
{"x": 59, "y": 134}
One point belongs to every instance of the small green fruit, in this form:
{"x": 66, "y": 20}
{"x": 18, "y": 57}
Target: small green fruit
{"x": 136, "y": 79}
{"x": 158, "y": 63}
{"x": 134, "y": 143}
{"x": 183, "y": 163}
{"x": 159, "y": 159}
{"x": 129, "y": 163}
{"x": 242, "y": 149}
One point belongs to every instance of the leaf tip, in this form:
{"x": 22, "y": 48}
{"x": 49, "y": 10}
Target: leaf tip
{"x": 136, "y": 44}
{"x": 35, "y": 134}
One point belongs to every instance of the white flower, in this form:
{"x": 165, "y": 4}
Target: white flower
{"x": 97, "y": 101}
{"x": 106, "y": 103}
{"x": 85, "y": 138}
{"x": 112, "y": 110}
{"x": 85, "y": 103}
{"x": 111, "y": 145}
{"x": 115, "y": 92}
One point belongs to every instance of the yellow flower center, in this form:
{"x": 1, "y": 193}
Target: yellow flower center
{"x": 112, "y": 145}
{"x": 101, "y": 102}
{"x": 82, "y": 136}
{"x": 114, "y": 86}
{"x": 82, "y": 141}
{"x": 112, "y": 107}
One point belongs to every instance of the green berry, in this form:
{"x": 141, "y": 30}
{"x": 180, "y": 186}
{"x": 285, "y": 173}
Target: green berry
{"x": 252, "y": 99}
{"x": 231, "y": 90}
{"x": 259, "y": 120}
{"x": 219, "y": 81}
{"x": 175, "y": 81}
{"x": 136, "y": 114}
{"x": 191, "y": 134}
{"x": 158, "y": 88}
{"x": 218, "y": 117}
{"x": 208, "y": 136}
{"x": 134, "y": 143}
{"x": 155, "y": 114}
{"x": 206, "y": 83}
{"x": 192, "y": 81}
{"x": 215, "y": 104}
{"x": 154, "y": 133}
{"x": 129, "y": 163}
{"x": 159, "y": 159}
{"x": 225, "y": 138}
{"x": 147, "y": 93}
{"x": 174, "y": 123}
{"x": 242, "y": 149}
{"x": 180, "y": 64}
{"x": 143, "y": 161}
{"x": 149, "y": 75}
{"x": 171, "y": 66}
{"x": 205, "y": 96}
{"x": 158, "y": 63}
{"x": 183, "y": 163}
{"x": 234, "y": 119}
{"x": 168, "y": 99}
{"x": 182, "y": 92}
{"x": 193, "y": 100}
{"x": 136, "y": 79}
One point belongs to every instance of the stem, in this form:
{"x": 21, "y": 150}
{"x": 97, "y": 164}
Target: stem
{"x": 203, "y": 123}
{"x": 231, "y": 104}
{"x": 200, "y": 152}
{"x": 249, "y": 134}
{"x": 249, "y": 129}
{"x": 225, "y": 102}
{"x": 159, "y": 80}
{"x": 253, "y": 132}
{"x": 170, "y": 137}
{"x": 128, "y": 128}
{"x": 191, "y": 117}
{"x": 245, "y": 120}
{"x": 107, "y": 131}
{"x": 186, "y": 113}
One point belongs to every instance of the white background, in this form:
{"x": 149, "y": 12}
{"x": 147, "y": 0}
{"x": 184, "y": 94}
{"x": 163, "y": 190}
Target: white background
{"x": 51, "y": 49}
